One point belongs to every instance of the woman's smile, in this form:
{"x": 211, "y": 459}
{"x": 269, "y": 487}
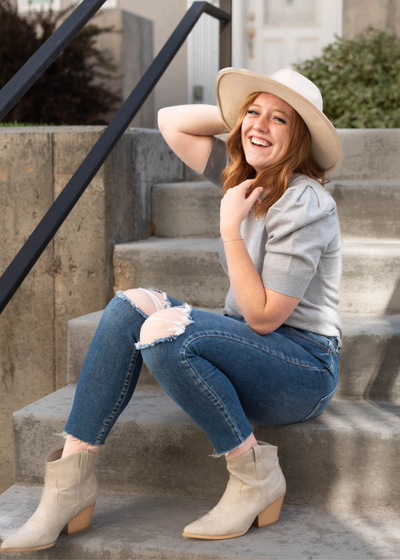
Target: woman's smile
{"x": 259, "y": 142}
{"x": 266, "y": 131}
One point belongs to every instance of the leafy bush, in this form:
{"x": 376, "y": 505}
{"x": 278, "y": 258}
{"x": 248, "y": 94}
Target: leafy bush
{"x": 359, "y": 80}
{"x": 72, "y": 89}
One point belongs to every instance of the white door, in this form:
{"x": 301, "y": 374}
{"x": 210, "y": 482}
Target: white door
{"x": 282, "y": 32}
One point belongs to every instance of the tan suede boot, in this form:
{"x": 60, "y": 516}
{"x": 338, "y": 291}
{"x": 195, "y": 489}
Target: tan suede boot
{"x": 254, "y": 494}
{"x": 68, "y": 499}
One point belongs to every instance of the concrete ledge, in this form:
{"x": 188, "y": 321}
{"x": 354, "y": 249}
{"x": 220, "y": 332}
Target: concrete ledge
{"x": 129, "y": 526}
{"x": 186, "y": 209}
{"x": 366, "y": 209}
{"x": 370, "y": 358}
{"x": 74, "y": 275}
{"x": 346, "y": 458}
{"x": 190, "y": 269}
{"x": 369, "y": 154}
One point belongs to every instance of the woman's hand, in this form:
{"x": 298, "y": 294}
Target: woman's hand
{"x": 235, "y": 206}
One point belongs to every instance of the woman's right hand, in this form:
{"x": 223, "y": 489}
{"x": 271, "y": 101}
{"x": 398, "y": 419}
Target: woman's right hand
{"x": 188, "y": 131}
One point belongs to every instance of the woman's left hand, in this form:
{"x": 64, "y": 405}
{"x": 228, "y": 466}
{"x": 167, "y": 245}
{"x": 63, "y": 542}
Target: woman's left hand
{"x": 235, "y": 206}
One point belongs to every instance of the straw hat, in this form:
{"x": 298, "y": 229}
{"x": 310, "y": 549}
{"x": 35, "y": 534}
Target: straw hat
{"x": 234, "y": 85}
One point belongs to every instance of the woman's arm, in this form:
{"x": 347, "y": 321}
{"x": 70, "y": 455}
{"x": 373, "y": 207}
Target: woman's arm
{"x": 264, "y": 310}
{"x": 188, "y": 131}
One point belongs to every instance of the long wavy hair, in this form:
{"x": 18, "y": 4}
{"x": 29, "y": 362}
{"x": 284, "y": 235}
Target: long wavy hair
{"x": 274, "y": 178}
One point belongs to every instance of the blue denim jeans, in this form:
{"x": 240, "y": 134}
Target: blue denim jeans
{"x": 219, "y": 371}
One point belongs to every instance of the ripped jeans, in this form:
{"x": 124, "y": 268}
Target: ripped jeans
{"x": 216, "y": 368}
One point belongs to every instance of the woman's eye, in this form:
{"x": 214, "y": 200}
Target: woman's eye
{"x": 251, "y": 112}
{"x": 281, "y": 120}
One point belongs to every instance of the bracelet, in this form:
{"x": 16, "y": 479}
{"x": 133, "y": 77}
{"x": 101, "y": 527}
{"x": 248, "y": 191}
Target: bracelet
{"x": 239, "y": 239}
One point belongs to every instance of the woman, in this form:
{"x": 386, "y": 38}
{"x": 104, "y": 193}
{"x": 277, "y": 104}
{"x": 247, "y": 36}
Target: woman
{"x": 272, "y": 358}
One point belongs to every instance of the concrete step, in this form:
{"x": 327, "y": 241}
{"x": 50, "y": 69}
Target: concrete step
{"x": 369, "y": 359}
{"x": 345, "y": 459}
{"x": 369, "y": 154}
{"x": 139, "y": 527}
{"x": 366, "y": 209}
{"x": 190, "y": 269}
{"x": 187, "y": 209}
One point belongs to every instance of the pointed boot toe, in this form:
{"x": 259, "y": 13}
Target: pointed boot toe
{"x": 214, "y": 525}
{"x": 28, "y": 538}
{"x": 254, "y": 495}
{"x": 68, "y": 499}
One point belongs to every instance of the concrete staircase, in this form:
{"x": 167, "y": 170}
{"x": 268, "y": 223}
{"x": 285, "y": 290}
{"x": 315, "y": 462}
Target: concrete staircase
{"x": 155, "y": 475}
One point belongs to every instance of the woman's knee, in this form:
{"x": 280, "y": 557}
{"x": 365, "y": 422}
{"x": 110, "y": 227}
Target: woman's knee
{"x": 147, "y": 300}
{"x": 166, "y": 325}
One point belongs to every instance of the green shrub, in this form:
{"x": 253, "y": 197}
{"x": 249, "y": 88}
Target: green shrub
{"x": 72, "y": 89}
{"x": 359, "y": 80}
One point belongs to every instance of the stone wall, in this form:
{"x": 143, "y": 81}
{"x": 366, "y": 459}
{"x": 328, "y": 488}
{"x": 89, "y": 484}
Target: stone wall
{"x": 74, "y": 275}
{"x": 380, "y": 14}
{"x": 131, "y": 48}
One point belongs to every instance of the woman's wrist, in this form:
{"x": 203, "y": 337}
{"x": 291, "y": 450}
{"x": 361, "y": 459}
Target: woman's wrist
{"x": 232, "y": 233}
{"x": 229, "y": 240}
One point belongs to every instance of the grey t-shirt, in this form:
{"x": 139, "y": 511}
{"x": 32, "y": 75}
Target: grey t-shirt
{"x": 296, "y": 249}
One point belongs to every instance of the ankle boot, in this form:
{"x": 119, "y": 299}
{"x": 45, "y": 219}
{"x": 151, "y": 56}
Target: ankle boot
{"x": 68, "y": 499}
{"x": 254, "y": 494}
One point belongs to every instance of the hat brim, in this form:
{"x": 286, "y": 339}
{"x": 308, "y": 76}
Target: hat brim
{"x": 234, "y": 85}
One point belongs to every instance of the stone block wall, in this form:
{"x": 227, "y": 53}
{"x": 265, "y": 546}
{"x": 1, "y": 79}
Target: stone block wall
{"x": 380, "y": 14}
{"x": 74, "y": 275}
{"x": 130, "y": 46}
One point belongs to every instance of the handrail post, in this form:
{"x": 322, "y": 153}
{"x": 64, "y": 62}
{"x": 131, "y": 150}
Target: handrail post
{"x": 225, "y": 36}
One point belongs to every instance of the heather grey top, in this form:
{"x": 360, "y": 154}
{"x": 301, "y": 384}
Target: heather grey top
{"x": 296, "y": 249}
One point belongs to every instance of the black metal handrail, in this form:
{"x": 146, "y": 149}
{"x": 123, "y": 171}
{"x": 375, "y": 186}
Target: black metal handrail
{"x": 26, "y": 258}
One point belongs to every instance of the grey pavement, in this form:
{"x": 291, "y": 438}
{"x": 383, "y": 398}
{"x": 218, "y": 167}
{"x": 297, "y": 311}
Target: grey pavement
{"x": 137, "y": 526}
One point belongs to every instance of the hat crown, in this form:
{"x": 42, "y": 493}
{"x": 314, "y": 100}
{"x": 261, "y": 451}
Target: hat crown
{"x": 299, "y": 83}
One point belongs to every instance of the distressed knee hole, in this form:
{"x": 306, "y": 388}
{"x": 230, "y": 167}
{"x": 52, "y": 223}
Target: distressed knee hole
{"x": 145, "y": 301}
{"x": 164, "y": 326}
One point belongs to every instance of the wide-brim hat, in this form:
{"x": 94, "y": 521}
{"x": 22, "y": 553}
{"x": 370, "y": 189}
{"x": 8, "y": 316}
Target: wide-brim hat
{"x": 234, "y": 85}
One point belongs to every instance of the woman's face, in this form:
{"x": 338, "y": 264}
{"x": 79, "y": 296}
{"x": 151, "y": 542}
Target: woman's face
{"x": 266, "y": 130}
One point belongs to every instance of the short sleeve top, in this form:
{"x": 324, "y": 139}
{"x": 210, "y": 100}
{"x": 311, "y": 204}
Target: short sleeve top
{"x": 295, "y": 247}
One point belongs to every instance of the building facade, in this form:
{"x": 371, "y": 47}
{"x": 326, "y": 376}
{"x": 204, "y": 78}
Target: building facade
{"x": 266, "y": 35}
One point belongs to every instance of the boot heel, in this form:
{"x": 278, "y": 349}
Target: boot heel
{"x": 80, "y": 522}
{"x": 270, "y": 514}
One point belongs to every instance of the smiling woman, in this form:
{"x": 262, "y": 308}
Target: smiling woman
{"x": 284, "y": 269}
{"x": 265, "y": 131}
{"x": 271, "y": 358}
{"x": 291, "y": 145}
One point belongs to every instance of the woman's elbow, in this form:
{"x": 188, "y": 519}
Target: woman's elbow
{"x": 161, "y": 118}
{"x": 268, "y": 325}
{"x": 263, "y": 328}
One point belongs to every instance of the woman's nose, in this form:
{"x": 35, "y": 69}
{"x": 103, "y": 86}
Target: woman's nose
{"x": 261, "y": 125}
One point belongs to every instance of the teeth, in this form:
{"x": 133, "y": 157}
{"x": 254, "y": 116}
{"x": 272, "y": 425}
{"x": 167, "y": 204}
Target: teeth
{"x": 260, "y": 142}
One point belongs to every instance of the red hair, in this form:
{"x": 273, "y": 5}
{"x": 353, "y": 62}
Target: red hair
{"x": 273, "y": 179}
